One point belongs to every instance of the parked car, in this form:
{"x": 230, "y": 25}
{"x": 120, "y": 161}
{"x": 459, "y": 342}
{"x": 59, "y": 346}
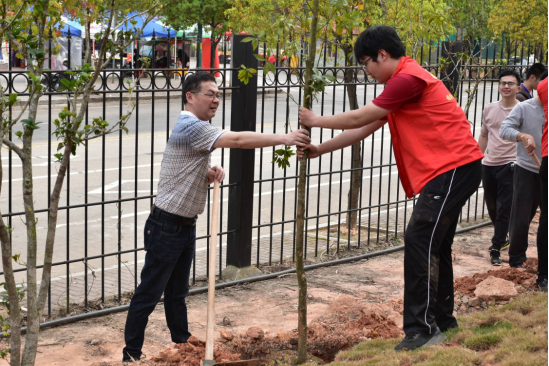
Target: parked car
{"x": 521, "y": 65}
{"x": 517, "y": 60}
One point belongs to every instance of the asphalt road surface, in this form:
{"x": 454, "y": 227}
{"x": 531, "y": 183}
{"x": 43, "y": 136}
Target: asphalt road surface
{"x": 124, "y": 166}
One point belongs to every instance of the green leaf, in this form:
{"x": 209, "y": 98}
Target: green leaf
{"x": 12, "y": 98}
{"x": 66, "y": 82}
{"x": 259, "y": 57}
{"x": 30, "y": 124}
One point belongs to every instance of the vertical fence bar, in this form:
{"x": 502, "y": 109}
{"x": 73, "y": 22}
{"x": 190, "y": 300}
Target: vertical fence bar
{"x": 242, "y": 162}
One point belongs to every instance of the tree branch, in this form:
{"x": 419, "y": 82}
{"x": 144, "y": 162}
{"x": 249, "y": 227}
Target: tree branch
{"x": 14, "y": 148}
{"x": 15, "y": 17}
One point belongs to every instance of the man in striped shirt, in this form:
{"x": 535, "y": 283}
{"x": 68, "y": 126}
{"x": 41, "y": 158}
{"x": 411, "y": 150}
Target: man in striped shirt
{"x": 182, "y": 190}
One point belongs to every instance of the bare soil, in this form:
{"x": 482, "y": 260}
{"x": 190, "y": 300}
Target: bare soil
{"x": 347, "y": 304}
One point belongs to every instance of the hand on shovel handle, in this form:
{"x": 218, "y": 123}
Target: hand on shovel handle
{"x": 528, "y": 147}
{"x": 211, "y": 277}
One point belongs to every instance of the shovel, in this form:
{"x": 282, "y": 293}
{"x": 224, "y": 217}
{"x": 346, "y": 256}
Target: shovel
{"x": 209, "y": 361}
{"x": 534, "y": 156}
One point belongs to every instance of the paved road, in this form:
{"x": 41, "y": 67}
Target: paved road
{"x": 126, "y": 166}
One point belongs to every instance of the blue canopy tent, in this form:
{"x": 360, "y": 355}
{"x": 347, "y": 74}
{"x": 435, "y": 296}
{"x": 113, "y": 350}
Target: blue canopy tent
{"x": 60, "y": 60}
{"x": 75, "y": 28}
{"x": 159, "y": 30}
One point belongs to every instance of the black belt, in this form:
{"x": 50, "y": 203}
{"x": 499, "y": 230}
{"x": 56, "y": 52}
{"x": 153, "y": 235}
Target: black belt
{"x": 173, "y": 218}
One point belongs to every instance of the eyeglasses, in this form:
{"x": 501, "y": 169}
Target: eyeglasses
{"x": 507, "y": 83}
{"x": 217, "y": 96}
{"x": 365, "y": 65}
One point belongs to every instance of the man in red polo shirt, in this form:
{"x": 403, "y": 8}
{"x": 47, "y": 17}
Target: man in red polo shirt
{"x": 542, "y": 229}
{"x": 437, "y": 157}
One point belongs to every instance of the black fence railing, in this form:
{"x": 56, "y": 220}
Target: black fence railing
{"x": 111, "y": 182}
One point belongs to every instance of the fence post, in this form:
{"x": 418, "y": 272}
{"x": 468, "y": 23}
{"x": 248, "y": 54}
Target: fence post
{"x": 242, "y": 162}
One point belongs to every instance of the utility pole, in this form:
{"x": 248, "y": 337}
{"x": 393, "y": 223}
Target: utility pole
{"x": 199, "y": 43}
{"x": 199, "y": 46}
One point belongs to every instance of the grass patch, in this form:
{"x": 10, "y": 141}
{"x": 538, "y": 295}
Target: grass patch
{"x": 515, "y": 334}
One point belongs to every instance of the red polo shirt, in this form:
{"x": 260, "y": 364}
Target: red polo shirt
{"x": 542, "y": 92}
{"x": 430, "y": 136}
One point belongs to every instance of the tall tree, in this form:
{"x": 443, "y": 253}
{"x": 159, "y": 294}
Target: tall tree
{"x": 520, "y": 22}
{"x": 416, "y": 21}
{"x": 211, "y": 13}
{"x": 473, "y": 36}
{"x": 347, "y": 17}
{"x": 28, "y": 25}
{"x": 309, "y": 93}
{"x": 302, "y": 27}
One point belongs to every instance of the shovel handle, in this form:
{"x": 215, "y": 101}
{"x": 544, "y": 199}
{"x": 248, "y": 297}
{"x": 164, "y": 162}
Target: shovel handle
{"x": 536, "y": 160}
{"x": 211, "y": 273}
{"x": 534, "y": 156}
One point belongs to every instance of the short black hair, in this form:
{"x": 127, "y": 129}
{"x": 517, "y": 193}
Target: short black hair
{"x": 509, "y": 72}
{"x": 379, "y": 37}
{"x": 536, "y": 69}
{"x": 543, "y": 76}
{"x": 193, "y": 83}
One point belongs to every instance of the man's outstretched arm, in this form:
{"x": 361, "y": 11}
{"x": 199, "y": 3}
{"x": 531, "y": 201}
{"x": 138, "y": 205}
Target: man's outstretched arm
{"x": 253, "y": 140}
{"x": 357, "y": 118}
{"x": 346, "y": 138}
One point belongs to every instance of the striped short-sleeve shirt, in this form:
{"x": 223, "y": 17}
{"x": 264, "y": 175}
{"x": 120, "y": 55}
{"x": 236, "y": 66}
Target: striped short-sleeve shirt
{"x": 182, "y": 189}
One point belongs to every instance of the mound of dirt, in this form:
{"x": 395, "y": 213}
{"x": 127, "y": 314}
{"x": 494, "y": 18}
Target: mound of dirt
{"x": 346, "y": 324}
{"x": 519, "y": 276}
{"x": 192, "y": 353}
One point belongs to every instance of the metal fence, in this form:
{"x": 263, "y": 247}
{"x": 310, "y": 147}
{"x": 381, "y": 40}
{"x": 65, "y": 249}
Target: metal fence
{"x": 111, "y": 182}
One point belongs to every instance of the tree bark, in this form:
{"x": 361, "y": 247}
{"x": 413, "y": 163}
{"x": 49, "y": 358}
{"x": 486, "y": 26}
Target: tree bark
{"x": 11, "y": 285}
{"x": 36, "y": 298}
{"x": 33, "y": 320}
{"x": 356, "y": 158}
{"x": 33, "y": 307}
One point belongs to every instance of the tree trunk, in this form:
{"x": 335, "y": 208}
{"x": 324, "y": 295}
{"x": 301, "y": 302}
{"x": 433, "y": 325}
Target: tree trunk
{"x": 356, "y": 158}
{"x": 9, "y": 278}
{"x": 15, "y": 311}
{"x": 33, "y": 310}
{"x": 36, "y": 298}
{"x": 300, "y": 219}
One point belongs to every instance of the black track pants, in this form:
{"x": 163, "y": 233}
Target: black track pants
{"x": 428, "y": 273}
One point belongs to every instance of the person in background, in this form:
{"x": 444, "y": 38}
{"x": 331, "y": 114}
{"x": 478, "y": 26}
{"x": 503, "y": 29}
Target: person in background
{"x": 524, "y": 126}
{"x": 498, "y": 163}
{"x": 531, "y": 82}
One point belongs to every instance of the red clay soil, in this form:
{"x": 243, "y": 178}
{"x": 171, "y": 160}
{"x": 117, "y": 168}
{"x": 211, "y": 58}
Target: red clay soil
{"x": 524, "y": 277}
{"x": 346, "y": 305}
{"x": 345, "y": 325}
{"x": 192, "y": 353}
